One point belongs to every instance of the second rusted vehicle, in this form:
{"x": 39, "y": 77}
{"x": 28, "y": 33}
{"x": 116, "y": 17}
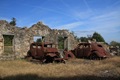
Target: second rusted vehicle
{"x": 44, "y": 52}
{"x": 90, "y": 50}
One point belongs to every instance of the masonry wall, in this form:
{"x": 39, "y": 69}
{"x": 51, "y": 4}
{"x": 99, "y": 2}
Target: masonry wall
{"x": 23, "y": 37}
{"x": 5, "y": 29}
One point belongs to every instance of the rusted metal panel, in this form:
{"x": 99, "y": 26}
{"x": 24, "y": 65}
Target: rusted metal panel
{"x": 43, "y": 52}
{"x": 68, "y": 54}
{"x": 90, "y": 50}
{"x": 51, "y": 50}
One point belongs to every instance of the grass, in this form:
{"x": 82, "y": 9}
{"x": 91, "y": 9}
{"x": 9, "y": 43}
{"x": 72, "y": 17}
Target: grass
{"x": 8, "y": 50}
{"x": 76, "y": 69}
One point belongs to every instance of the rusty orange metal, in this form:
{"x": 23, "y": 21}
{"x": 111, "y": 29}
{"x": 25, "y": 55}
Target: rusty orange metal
{"x": 45, "y": 52}
{"x": 90, "y": 50}
{"x": 68, "y": 54}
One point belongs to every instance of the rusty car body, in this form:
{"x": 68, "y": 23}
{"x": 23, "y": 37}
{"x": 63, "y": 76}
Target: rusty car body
{"x": 90, "y": 50}
{"x": 44, "y": 52}
{"x": 68, "y": 54}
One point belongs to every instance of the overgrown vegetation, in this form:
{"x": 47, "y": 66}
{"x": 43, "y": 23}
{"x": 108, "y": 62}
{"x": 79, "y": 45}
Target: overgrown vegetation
{"x": 114, "y": 43}
{"x": 61, "y": 42}
{"x": 95, "y": 36}
{"x": 39, "y": 40}
{"x": 8, "y": 44}
{"x": 98, "y": 37}
{"x": 76, "y": 69}
{"x": 84, "y": 39}
{"x": 8, "y": 39}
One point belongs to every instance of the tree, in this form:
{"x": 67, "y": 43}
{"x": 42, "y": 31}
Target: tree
{"x": 83, "y": 39}
{"x": 114, "y": 43}
{"x": 39, "y": 40}
{"x": 60, "y": 42}
{"x": 98, "y": 37}
{"x": 13, "y": 22}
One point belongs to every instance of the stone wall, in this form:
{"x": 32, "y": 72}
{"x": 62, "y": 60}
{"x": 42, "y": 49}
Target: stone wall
{"x": 23, "y": 37}
{"x": 5, "y": 28}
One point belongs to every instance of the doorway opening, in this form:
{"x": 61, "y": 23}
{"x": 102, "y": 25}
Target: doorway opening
{"x": 60, "y": 42}
{"x": 8, "y": 44}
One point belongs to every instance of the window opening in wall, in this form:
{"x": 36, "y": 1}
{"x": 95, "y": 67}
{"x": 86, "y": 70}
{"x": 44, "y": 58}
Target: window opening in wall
{"x": 8, "y": 44}
{"x": 38, "y": 39}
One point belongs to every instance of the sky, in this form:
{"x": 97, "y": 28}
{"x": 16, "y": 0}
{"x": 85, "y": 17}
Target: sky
{"x": 83, "y": 17}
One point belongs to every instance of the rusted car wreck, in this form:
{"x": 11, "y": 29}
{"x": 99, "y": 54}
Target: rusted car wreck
{"x": 44, "y": 52}
{"x": 90, "y": 50}
{"x": 47, "y": 53}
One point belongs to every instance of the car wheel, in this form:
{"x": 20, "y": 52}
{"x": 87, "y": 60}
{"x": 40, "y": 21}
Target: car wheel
{"x": 94, "y": 55}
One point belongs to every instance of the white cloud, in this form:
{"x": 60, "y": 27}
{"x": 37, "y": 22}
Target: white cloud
{"x": 107, "y": 16}
{"x": 105, "y": 23}
{"x": 70, "y": 25}
{"x": 82, "y": 14}
{"x": 87, "y": 5}
{"x": 96, "y": 22}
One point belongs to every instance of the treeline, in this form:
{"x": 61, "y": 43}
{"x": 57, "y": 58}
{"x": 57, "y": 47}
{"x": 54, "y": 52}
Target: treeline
{"x": 114, "y": 43}
{"x": 95, "y": 36}
{"x": 98, "y": 38}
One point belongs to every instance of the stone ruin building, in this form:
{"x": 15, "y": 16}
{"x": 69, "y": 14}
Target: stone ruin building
{"x": 22, "y": 37}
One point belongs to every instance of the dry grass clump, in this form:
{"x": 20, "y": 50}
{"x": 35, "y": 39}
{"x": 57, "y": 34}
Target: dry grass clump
{"x": 82, "y": 69}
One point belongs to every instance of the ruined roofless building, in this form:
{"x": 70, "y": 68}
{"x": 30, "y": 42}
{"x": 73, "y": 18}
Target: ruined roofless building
{"x": 21, "y": 38}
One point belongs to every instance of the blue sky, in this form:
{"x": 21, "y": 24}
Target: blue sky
{"x": 84, "y": 17}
